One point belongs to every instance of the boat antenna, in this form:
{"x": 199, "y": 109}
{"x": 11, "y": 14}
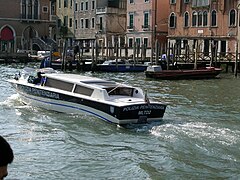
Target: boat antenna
{"x": 146, "y": 99}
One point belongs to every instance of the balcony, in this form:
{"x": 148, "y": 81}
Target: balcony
{"x": 53, "y": 18}
{"x": 145, "y": 27}
{"x": 130, "y": 28}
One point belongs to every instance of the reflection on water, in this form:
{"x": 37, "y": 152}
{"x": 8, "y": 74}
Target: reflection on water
{"x": 198, "y": 137}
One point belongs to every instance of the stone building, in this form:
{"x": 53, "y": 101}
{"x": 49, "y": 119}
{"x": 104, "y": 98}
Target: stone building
{"x": 205, "y": 25}
{"x": 26, "y": 25}
{"x": 85, "y": 21}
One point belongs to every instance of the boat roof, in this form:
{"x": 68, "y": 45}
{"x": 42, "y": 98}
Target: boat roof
{"x": 76, "y": 78}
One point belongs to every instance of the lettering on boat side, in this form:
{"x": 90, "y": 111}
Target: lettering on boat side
{"x": 148, "y": 107}
{"x": 38, "y": 92}
{"x": 146, "y": 112}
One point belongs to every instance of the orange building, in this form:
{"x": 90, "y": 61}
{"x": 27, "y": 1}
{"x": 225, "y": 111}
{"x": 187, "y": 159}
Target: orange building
{"x": 210, "y": 25}
{"x": 26, "y": 24}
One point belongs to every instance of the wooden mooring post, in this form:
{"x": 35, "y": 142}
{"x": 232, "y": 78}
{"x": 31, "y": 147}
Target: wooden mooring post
{"x": 236, "y": 62}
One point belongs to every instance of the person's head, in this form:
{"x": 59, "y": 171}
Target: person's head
{"x": 6, "y": 157}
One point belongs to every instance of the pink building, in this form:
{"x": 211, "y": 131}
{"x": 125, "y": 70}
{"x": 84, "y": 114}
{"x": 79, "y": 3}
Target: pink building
{"x": 147, "y": 21}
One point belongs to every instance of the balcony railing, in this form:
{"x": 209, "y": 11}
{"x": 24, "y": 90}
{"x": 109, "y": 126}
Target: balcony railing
{"x": 53, "y": 18}
{"x": 130, "y": 28}
{"x": 145, "y": 27}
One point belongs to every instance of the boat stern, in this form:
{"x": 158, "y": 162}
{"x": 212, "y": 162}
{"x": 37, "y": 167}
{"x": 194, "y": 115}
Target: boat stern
{"x": 141, "y": 113}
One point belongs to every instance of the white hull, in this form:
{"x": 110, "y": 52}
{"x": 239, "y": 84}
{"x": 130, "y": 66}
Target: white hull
{"x": 74, "y": 94}
{"x": 67, "y": 107}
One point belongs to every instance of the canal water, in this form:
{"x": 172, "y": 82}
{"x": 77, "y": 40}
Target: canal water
{"x": 199, "y": 137}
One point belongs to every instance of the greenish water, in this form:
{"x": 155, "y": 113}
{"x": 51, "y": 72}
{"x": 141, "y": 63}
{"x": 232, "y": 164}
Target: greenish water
{"x": 199, "y": 137}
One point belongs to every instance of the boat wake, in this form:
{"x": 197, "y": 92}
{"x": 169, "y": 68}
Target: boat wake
{"x": 14, "y": 101}
{"x": 196, "y": 131}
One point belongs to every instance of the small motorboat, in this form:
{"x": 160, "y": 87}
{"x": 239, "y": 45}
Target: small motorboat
{"x": 157, "y": 72}
{"x": 71, "y": 93}
{"x": 57, "y": 64}
{"x": 121, "y": 65}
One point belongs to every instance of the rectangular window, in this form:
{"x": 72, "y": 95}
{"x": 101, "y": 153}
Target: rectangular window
{"x": 186, "y": 1}
{"x": 86, "y": 23}
{"x": 83, "y": 90}
{"x": 59, "y": 3}
{"x": 76, "y": 24}
{"x": 93, "y": 5}
{"x": 138, "y": 41}
{"x": 131, "y": 1}
{"x": 45, "y": 9}
{"x": 146, "y": 1}
{"x": 172, "y": 1}
{"x": 200, "y": 3}
{"x": 93, "y": 23}
{"x": 145, "y": 42}
{"x": 59, "y": 84}
{"x": 70, "y": 22}
{"x": 59, "y": 23}
{"x": 82, "y": 6}
{"x": 101, "y": 23}
{"x": 65, "y": 21}
{"x": 146, "y": 19}
{"x": 131, "y": 19}
{"x": 65, "y": 3}
{"x": 82, "y": 24}
{"x": 86, "y": 6}
{"x": 76, "y": 6}
{"x": 130, "y": 42}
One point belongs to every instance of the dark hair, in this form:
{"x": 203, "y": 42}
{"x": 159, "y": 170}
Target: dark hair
{"x": 6, "y": 152}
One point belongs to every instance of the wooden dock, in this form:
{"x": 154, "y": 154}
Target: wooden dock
{"x": 14, "y": 57}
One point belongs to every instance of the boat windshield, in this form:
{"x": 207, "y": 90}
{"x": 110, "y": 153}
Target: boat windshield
{"x": 120, "y": 91}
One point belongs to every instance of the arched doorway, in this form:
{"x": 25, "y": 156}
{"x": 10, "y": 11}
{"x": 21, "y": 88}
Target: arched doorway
{"x": 27, "y": 39}
{"x": 6, "y": 40}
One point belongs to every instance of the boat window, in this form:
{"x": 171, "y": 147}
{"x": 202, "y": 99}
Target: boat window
{"x": 83, "y": 90}
{"x": 122, "y": 91}
{"x": 66, "y": 86}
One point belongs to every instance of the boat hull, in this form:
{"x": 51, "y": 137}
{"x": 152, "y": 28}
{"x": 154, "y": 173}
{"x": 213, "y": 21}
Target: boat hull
{"x": 184, "y": 74}
{"x": 121, "y": 68}
{"x": 135, "y": 113}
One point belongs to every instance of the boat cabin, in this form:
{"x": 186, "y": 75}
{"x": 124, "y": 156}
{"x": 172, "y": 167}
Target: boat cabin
{"x": 92, "y": 87}
{"x": 155, "y": 68}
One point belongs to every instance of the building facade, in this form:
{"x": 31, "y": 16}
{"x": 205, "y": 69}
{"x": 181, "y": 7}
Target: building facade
{"x": 26, "y": 25}
{"x": 85, "y": 21}
{"x": 205, "y": 25}
{"x": 147, "y": 22}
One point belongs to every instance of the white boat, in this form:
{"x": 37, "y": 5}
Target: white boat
{"x": 120, "y": 65}
{"x": 71, "y": 93}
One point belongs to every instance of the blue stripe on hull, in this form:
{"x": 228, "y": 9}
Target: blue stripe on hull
{"x": 68, "y": 106}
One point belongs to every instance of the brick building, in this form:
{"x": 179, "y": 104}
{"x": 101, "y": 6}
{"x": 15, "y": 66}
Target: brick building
{"x": 26, "y": 24}
{"x": 205, "y": 25}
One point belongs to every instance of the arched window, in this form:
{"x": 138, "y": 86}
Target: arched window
{"x": 30, "y": 9}
{"x": 186, "y": 19}
{"x": 24, "y": 9}
{"x": 6, "y": 34}
{"x": 214, "y": 18}
{"x": 205, "y": 18}
{"x": 200, "y": 18}
{"x": 172, "y": 23}
{"x": 194, "y": 19}
{"x": 36, "y": 9}
{"x": 232, "y": 17}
